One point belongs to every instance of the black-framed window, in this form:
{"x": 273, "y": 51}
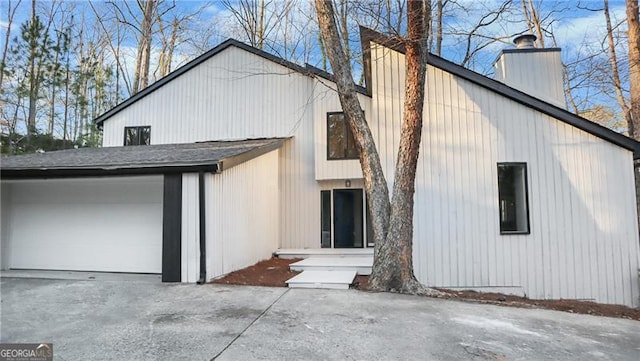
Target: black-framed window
{"x": 513, "y": 199}
{"x": 140, "y": 135}
{"x": 340, "y": 142}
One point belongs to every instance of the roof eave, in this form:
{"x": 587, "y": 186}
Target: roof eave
{"x": 69, "y": 172}
{"x": 306, "y": 71}
{"x": 367, "y": 36}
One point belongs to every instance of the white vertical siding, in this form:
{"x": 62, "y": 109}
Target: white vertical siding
{"x": 538, "y": 73}
{"x": 583, "y": 242}
{"x": 242, "y": 215}
{"x": 190, "y": 238}
{"x": 325, "y": 101}
{"x": 233, "y": 95}
{"x": 239, "y": 95}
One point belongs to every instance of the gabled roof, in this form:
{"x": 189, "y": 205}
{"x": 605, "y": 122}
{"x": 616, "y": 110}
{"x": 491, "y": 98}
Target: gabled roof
{"x": 367, "y": 36}
{"x": 307, "y": 70}
{"x": 212, "y": 156}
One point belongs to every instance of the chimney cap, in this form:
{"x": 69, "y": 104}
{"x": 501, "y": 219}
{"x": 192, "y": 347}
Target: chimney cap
{"x": 525, "y": 41}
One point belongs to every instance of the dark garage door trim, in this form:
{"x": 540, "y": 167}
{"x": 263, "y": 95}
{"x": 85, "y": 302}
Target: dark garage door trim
{"x": 172, "y": 228}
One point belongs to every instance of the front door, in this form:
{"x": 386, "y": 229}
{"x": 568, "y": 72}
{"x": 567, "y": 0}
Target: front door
{"x": 348, "y": 218}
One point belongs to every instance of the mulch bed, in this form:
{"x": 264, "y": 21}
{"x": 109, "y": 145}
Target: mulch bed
{"x": 272, "y": 273}
{"x": 275, "y": 271}
{"x": 571, "y": 306}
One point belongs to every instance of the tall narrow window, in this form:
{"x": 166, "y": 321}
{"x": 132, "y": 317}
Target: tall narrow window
{"x": 513, "y": 199}
{"x": 340, "y": 142}
{"x": 137, "y": 135}
{"x": 325, "y": 234}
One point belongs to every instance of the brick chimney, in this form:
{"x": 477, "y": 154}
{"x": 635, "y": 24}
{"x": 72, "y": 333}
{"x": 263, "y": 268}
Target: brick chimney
{"x": 532, "y": 70}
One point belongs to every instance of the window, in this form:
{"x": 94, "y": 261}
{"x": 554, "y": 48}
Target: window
{"x": 325, "y": 235}
{"x": 513, "y": 199}
{"x": 340, "y": 143}
{"x": 137, "y": 135}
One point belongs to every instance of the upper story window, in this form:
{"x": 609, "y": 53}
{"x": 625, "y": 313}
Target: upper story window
{"x": 340, "y": 142}
{"x": 137, "y": 135}
{"x": 513, "y": 199}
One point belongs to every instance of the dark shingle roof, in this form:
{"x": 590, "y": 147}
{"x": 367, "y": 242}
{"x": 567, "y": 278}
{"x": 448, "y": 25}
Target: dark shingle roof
{"x": 211, "y": 156}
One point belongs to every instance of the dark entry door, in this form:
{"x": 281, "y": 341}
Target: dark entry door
{"x": 348, "y": 218}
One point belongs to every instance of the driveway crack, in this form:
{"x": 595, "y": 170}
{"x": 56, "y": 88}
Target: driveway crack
{"x": 250, "y": 324}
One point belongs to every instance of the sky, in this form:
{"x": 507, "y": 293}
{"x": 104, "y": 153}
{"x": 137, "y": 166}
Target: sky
{"x": 577, "y": 28}
{"x": 573, "y": 27}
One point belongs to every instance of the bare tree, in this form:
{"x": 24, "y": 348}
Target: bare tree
{"x": 258, "y": 18}
{"x": 613, "y": 58}
{"x": 142, "y": 21}
{"x": 440, "y": 5}
{"x": 533, "y": 20}
{"x": 391, "y": 220}
{"x": 11, "y": 12}
{"x": 633, "y": 115}
{"x": 633, "y": 25}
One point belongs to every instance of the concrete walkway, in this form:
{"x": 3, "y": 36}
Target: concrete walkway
{"x": 142, "y": 319}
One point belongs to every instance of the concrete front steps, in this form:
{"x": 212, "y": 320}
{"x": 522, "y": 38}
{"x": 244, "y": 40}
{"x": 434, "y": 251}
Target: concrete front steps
{"x": 336, "y": 271}
{"x": 289, "y": 253}
{"x": 361, "y": 264}
{"x": 337, "y": 280}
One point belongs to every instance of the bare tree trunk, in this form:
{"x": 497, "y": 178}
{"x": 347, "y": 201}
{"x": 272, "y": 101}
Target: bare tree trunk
{"x": 439, "y": 14}
{"x": 633, "y": 115}
{"x": 533, "y": 20}
{"x": 374, "y": 181}
{"x": 33, "y": 80}
{"x": 633, "y": 24}
{"x": 261, "y": 26}
{"x": 391, "y": 221}
{"x": 143, "y": 58}
{"x": 65, "y": 122}
{"x": 393, "y": 263}
{"x": 613, "y": 58}
{"x": 11, "y": 12}
{"x": 343, "y": 19}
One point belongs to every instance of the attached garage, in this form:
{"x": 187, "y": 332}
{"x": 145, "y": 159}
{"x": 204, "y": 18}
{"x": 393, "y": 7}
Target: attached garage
{"x": 111, "y": 224}
{"x": 136, "y": 209}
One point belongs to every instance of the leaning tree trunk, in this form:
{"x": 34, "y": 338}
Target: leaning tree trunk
{"x": 393, "y": 263}
{"x": 374, "y": 181}
{"x": 392, "y": 223}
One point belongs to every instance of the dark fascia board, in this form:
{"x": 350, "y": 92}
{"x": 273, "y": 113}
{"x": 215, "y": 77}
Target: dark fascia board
{"x": 231, "y": 162}
{"x": 526, "y": 50}
{"x": 308, "y": 70}
{"x": 328, "y": 76}
{"x": 106, "y": 172}
{"x": 532, "y": 50}
{"x": 367, "y": 36}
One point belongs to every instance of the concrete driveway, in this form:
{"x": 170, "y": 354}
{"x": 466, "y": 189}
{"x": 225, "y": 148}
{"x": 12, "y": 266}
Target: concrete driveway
{"x": 138, "y": 318}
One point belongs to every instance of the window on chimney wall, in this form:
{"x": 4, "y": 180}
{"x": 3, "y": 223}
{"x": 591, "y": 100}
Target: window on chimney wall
{"x": 513, "y": 199}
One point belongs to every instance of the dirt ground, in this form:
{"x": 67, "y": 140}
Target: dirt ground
{"x": 275, "y": 271}
{"x": 272, "y": 273}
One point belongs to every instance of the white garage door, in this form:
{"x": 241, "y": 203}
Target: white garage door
{"x": 92, "y": 224}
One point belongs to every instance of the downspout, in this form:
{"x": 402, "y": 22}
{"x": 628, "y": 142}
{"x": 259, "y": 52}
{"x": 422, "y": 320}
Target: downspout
{"x": 203, "y": 229}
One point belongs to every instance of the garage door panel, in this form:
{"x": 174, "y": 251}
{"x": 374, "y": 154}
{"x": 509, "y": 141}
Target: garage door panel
{"x": 112, "y": 225}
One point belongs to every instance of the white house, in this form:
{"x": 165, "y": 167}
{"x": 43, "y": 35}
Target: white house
{"x": 240, "y": 153}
